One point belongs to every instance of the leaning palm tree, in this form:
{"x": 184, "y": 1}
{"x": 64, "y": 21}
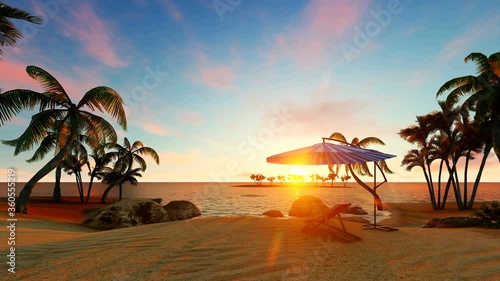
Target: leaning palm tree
{"x": 101, "y": 160}
{"x": 362, "y": 169}
{"x": 483, "y": 93}
{"x": 9, "y": 34}
{"x": 126, "y": 156}
{"x": 58, "y": 112}
{"x": 73, "y": 164}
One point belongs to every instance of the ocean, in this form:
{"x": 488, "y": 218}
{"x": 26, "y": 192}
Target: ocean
{"x": 248, "y": 199}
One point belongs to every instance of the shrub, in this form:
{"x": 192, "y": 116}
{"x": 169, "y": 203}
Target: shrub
{"x": 490, "y": 217}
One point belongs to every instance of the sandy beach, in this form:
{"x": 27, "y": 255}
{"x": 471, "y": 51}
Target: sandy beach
{"x": 51, "y": 244}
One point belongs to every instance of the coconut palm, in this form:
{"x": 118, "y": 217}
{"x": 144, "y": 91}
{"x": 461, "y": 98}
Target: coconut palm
{"x": 58, "y": 112}
{"x": 483, "y": 93}
{"x": 101, "y": 160}
{"x": 114, "y": 178}
{"x": 126, "y": 156}
{"x": 362, "y": 168}
{"x": 73, "y": 164}
{"x": 9, "y": 34}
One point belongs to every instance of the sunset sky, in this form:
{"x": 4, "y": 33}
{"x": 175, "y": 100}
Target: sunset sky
{"x": 215, "y": 87}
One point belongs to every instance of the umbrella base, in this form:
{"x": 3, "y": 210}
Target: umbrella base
{"x": 369, "y": 226}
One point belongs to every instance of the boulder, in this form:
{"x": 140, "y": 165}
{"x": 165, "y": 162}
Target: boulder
{"x": 355, "y": 210}
{"x": 308, "y": 206}
{"x": 126, "y": 213}
{"x": 181, "y": 210}
{"x": 157, "y": 200}
{"x": 273, "y": 214}
{"x": 452, "y": 222}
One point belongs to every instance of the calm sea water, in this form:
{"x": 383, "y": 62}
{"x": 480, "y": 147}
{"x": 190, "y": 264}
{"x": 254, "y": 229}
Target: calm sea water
{"x": 234, "y": 199}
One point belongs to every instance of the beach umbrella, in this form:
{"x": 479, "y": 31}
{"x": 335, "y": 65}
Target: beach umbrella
{"x": 329, "y": 154}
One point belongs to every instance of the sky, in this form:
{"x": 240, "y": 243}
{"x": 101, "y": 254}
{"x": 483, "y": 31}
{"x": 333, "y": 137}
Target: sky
{"x": 216, "y": 86}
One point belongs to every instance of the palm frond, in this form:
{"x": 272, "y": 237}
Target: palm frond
{"x": 53, "y": 88}
{"x": 105, "y": 99}
{"x": 454, "y": 83}
{"x": 481, "y": 61}
{"x": 7, "y": 11}
{"x": 14, "y": 101}
{"x": 370, "y": 140}
{"x": 97, "y": 128}
{"x": 338, "y": 136}
{"x": 48, "y": 143}
{"x": 140, "y": 161}
{"x": 148, "y": 151}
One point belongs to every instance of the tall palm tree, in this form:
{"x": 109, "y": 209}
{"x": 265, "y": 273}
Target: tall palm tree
{"x": 362, "y": 168}
{"x": 101, "y": 160}
{"x": 483, "y": 93}
{"x": 126, "y": 156}
{"x": 58, "y": 112}
{"x": 9, "y": 34}
{"x": 73, "y": 164}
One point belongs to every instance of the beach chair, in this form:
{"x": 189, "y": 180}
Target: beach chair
{"x": 340, "y": 232}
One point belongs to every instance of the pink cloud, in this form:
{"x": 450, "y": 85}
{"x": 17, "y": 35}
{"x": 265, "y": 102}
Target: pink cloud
{"x": 157, "y": 129}
{"x": 14, "y": 76}
{"x": 217, "y": 76}
{"x": 172, "y": 9}
{"x": 320, "y": 29}
{"x": 190, "y": 117}
{"x": 94, "y": 34}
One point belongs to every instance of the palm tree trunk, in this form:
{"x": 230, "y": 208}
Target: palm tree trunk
{"x": 431, "y": 193}
{"x": 80, "y": 186}
{"x": 486, "y": 152}
{"x": 56, "y": 195}
{"x": 439, "y": 182}
{"x": 120, "y": 193}
{"x": 105, "y": 194}
{"x": 380, "y": 206}
{"x": 24, "y": 197}
{"x": 465, "y": 178}
{"x": 448, "y": 184}
{"x": 90, "y": 188}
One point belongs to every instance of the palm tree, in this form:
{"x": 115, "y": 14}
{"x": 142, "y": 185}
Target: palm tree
{"x": 101, "y": 160}
{"x": 73, "y": 164}
{"x": 362, "y": 168}
{"x": 9, "y": 34}
{"x": 58, "y": 112}
{"x": 484, "y": 98}
{"x": 113, "y": 178}
{"x": 418, "y": 158}
{"x": 126, "y": 156}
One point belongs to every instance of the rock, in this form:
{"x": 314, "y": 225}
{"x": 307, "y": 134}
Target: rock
{"x": 355, "y": 210}
{"x": 452, "y": 222}
{"x": 308, "y": 206}
{"x": 157, "y": 200}
{"x": 181, "y": 210}
{"x": 126, "y": 213}
{"x": 273, "y": 214}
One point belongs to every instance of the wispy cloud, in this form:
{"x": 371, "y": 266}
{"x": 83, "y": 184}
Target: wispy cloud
{"x": 172, "y": 9}
{"x": 461, "y": 45}
{"x": 217, "y": 76}
{"x": 190, "y": 117}
{"x": 156, "y": 129}
{"x": 94, "y": 34}
{"x": 317, "y": 32}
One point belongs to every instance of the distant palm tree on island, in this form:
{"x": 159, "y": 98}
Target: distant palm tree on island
{"x": 362, "y": 169}
{"x": 9, "y": 34}
{"x": 58, "y": 113}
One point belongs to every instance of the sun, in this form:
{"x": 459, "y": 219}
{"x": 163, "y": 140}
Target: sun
{"x": 297, "y": 171}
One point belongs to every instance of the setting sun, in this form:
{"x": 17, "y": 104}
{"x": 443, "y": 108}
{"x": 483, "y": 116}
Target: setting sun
{"x": 298, "y": 171}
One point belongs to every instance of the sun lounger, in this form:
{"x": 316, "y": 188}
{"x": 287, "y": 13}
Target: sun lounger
{"x": 340, "y": 232}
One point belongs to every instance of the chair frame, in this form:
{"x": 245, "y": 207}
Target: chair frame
{"x": 340, "y": 232}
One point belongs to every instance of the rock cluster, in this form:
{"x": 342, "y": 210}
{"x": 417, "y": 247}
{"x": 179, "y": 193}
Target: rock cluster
{"x": 134, "y": 212}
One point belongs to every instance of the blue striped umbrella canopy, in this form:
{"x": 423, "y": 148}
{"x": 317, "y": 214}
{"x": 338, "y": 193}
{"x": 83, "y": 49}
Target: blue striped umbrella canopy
{"x": 327, "y": 153}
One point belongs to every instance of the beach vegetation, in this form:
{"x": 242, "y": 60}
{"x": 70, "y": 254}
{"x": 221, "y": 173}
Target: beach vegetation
{"x": 124, "y": 157}
{"x": 9, "y": 34}
{"x": 361, "y": 169}
{"x": 113, "y": 177}
{"x": 490, "y": 216}
{"x": 344, "y": 179}
{"x": 271, "y": 179}
{"x": 281, "y": 178}
{"x": 257, "y": 178}
{"x": 450, "y": 134}
{"x": 57, "y": 112}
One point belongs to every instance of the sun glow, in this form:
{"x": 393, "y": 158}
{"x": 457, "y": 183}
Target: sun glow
{"x": 298, "y": 171}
